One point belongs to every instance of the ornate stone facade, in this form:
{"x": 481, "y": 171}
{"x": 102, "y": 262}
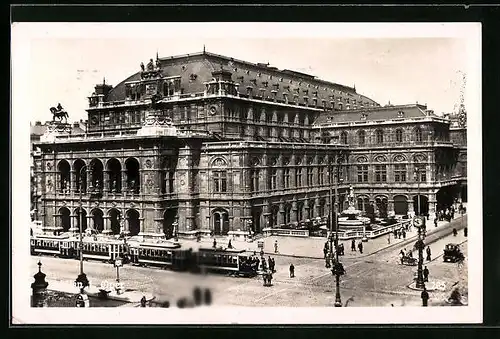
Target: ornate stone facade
{"x": 203, "y": 143}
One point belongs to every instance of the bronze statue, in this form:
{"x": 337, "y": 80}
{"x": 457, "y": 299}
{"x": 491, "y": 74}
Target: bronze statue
{"x": 59, "y": 113}
{"x": 151, "y": 65}
{"x": 142, "y": 66}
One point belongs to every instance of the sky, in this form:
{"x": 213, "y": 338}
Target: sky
{"x": 410, "y": 68}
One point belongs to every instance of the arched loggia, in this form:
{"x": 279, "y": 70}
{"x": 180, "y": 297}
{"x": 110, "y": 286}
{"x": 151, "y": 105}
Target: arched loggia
{"x": 114, "y": 169}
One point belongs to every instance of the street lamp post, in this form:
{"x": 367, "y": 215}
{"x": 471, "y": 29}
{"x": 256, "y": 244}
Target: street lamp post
{"x": 337, "y": 269}
{"x": 81, "y": 281}
{"x": 419, "y": 223}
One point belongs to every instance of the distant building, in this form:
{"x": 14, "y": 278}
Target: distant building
{"x": 202, "y": 143}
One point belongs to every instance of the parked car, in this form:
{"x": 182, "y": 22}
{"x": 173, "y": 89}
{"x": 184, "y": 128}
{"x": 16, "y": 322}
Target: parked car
{"x": 452, "y": 253}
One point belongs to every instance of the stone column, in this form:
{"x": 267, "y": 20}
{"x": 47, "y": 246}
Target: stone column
{"x": 106, "y": 187}
{"x": 73, "y": 181}
{"x": 90, "y": 221}
{"x": 281, "y": 215}
{"x": 124, "y": 181}
{"x": 74, "y": 223}
{"x": 107, "y": 224}
{"x": 390, "y": 206}
{"x": 295, "y": 212}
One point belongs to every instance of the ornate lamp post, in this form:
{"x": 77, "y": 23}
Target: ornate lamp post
{"x": 81, "y": 281}
{"x": 337, "y": 269}
{"x": 419, "y": 224}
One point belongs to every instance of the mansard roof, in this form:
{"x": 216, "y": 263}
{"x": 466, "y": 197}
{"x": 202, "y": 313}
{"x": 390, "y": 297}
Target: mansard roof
{"x": 196, "y": 69}
{"x": 374, "y": 114}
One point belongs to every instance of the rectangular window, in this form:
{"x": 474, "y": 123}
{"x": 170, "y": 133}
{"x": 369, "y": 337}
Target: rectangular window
{"x": 362, "y": 173}
{"x": 422, "y": 175}
{"x": 380, "y": 173}
{"x": 298, "y": 177}
{"x": 400, "y": 173}
{"x": 255, "y": 180}
{"x": 321, "y": 176}
{"x": 220, "y": 181}
{"x": 286, "y": 178}
{"x": 310, "y": 177}
{"x": 274, "y": 177}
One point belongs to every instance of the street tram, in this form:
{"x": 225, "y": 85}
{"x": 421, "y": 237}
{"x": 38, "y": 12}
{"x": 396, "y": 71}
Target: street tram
{"x": 46, "y": 245}
{"x": 104, "y": 250}
{"x": 233, "y": 261}
{"x": 165, "y": 255}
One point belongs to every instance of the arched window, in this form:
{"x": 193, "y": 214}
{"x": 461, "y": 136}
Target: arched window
{"x": 399, "y": 135}
{"x": 418, "y": 134}
{"x": 343, "y": 138}
{"x": 219, "y": 175}
{"x": 362, "y": 137}
{"x": 379, "y": 136}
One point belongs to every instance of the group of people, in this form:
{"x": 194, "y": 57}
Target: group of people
{"x": 409, "y": 254}
{"x": 400, "y": 232}
{"x": 327, "y": 251}
{"x": 446, "y": 214}
{"x": 353, "y": 246}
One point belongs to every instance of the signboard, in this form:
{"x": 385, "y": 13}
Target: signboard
{"x": 118, "y": 262}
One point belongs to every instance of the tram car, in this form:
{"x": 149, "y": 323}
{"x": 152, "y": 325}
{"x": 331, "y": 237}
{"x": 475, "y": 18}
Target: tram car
{"x": 48, "y": 245}
{"x": 104, "y": 250}
{"x": 232, "y": 261}
{"x": 164, "y": 255}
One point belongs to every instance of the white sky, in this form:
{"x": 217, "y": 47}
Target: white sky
{"x": 65, "y": 61}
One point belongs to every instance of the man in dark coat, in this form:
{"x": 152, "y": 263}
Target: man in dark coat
{"x": 360, "y": 247}
{"x": 215, "y": 243}
{"x": 353, "y": 245}
{"x": 425, "y": 297}
{"x": 426, "y": 274}
{"x": 292, "y": 271}
{"x": 428, "y": 251}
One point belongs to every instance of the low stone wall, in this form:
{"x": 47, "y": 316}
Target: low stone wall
{"x": 342, "y": 235}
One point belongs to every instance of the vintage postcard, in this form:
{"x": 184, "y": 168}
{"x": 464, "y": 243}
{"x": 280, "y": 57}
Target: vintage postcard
{"x": 276, "y": 173}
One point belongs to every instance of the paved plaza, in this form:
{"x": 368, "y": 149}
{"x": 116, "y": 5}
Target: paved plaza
{"x": 374, "y": 279}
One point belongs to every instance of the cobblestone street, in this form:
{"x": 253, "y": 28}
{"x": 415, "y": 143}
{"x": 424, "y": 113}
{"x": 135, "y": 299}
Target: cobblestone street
{"x": 371, "y": 280}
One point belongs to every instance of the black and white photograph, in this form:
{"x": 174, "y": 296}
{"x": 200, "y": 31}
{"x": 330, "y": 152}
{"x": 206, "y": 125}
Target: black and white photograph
{"x": 246, "y": 173}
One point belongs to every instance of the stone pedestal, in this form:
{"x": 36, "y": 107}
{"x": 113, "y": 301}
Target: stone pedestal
{"x": 55, "y": 129}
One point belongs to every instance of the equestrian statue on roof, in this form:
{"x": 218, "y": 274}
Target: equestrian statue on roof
{"x": 60, "y": 113}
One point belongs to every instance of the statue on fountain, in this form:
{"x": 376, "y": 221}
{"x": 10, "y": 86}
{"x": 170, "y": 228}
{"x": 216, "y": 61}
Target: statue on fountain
{"x": 60, "y": 113}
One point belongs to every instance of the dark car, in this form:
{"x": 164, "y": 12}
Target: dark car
{"x": 452, "y": 253}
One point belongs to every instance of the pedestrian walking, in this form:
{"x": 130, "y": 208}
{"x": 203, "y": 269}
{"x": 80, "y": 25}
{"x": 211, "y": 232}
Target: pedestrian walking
{"x": 428, "y": 251}
{"x": 426, "y": 274}
{"x": 292, "y": 271}
{"x": 425, "y": 297}
{"x": 465, "y": 232}
{"x": 404, "y": 234}
{"x": 454, "y": 232}
{"x": 229, "y": 245}
{"x": 353, "y": 245}
{"x": 401, "y": 256}
{"x": 360, "y": 247}
{"x": 395, "y": 232}
{"x": 215, "y": 243}
{"x": 276, "y": 246}
{"x": 274, "y": 265}
{"x": 143, "y": 301}
{"x": 389, "y": 239}
{"x": 435, "y": 222}
{"x": 325, "y": 252}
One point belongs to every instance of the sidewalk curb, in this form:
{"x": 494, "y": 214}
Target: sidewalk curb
{"x": 404, "y": 242}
